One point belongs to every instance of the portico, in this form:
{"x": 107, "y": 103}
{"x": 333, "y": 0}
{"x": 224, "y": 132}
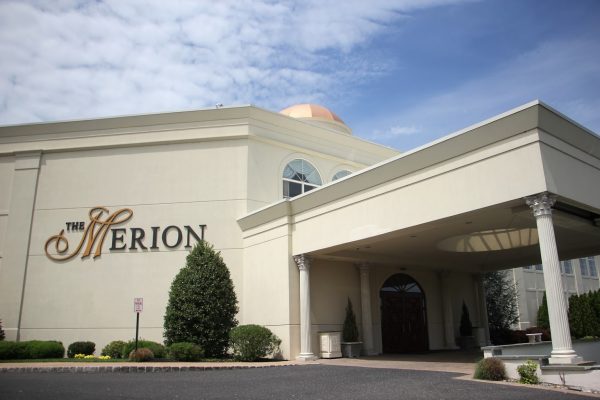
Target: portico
{"x": 444, "y": 214}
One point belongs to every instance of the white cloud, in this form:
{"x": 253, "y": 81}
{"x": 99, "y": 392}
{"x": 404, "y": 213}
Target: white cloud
{"x": 562, "y": 73}
{"x": 76, "y": 59}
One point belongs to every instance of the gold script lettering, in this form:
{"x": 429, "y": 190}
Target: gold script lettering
{"x": 94, "y": 234}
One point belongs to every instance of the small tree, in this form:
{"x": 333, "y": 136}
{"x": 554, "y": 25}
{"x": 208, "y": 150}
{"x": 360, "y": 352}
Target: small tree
{"x": 202, "y": 303}
{"x": 466, "y": 328}
{"x": 2, "y": 336}
{"x": 543, "y": 320}
{"x": 350, "y": 332}
{"x": 582, "y": 317}
{"x": 501, "y": 297}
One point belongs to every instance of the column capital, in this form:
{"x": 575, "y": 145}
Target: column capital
{"x": 302, "y": 261}
{"x": 363, "y": 266}
{"x": 541, "y": 204}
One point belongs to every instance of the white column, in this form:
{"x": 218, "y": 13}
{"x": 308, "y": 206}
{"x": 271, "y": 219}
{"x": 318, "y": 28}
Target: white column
{"x": 13, "y": 274}
{"x": 365, "y": 304}
{"x": 483, "y": 317}
{"x": 306, "y": 353}
{"x": 447, "y": 310}
{"x": 562, "y": 348}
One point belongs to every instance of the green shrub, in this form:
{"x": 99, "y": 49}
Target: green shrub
{"x": 10, "y": 350}
{"x": 528, "y": 373}
{"x": 86, "y": 348}
{"x": 158, "y": 350}
{"x": 31, "y": 349}
{"x": 141, "y": 354}
{"x": 185, "y": 351}
{"x": 251, "y": 342}
{"x": 490, "y": 369}
{"x": 44, "y": 349}
{"x": 350, "y": 330}
{"x": 202, "y": 303}
{"x": 2, "y": 336}
{"x": 114, "y": 349}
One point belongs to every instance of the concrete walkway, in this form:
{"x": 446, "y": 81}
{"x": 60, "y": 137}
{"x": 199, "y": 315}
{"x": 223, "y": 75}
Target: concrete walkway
{"x": 462, "y": 362}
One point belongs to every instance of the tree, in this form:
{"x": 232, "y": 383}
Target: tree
{"x": 466, "y": 328}
{"x": 350, "y": 332}
{"x": 202, "y": 303}
{"x": 543, "y": 320}
{"x": 1, "y": 331}
{"x": 501, "y": 297}
{"x": 582, "y": 316}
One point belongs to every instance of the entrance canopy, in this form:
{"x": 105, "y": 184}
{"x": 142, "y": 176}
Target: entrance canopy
{"x": 457, "y": 203}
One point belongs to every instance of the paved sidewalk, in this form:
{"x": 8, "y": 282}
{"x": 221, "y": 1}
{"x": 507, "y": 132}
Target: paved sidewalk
{"x": 441, "y": 361}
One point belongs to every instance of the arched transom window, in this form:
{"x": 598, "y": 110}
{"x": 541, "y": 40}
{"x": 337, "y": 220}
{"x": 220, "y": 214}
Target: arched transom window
{"x": 341, "y": 174}
{"x": 299, "y": 176}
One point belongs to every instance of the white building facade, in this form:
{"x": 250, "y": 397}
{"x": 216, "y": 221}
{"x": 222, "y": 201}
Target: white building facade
{"x": 96, "y": 213}
{"x": 579, "y": 276}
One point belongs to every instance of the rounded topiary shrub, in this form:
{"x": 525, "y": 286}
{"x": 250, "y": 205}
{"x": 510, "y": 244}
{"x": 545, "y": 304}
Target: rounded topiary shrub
{"x": 141, "y": 354}
{"x": 158, "y": 350}
{"x": 490, "y": 369}
{"x": 185, "y": 351}
{"x": 86, "y": 348}
{"x": 252, "y": 342}
{"x": 114, "y": 349}
{"x": 202, "y": 303}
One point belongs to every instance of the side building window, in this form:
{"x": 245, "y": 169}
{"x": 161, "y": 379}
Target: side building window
{"x": 584, "y": 267}
{"x": 592, "y": 267}
{"x": 566, "y": 267}
{"x": 340, "y": 174}
{"x": 299, "y": 177}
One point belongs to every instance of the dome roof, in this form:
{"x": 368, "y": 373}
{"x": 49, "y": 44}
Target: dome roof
{"x": 317, "y": 114}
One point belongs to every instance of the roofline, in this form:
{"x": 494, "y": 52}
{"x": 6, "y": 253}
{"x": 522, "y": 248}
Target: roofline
{"x": 528, "y": 123}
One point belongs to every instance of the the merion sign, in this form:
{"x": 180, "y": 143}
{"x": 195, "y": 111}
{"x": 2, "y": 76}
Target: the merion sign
{"x": 102, "y": 224}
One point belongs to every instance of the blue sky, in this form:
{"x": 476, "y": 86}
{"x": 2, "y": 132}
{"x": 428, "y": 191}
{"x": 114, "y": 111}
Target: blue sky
{"x": 400, "y": 73}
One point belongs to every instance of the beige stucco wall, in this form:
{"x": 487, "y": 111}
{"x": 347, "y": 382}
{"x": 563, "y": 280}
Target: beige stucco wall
{"x": 207, "y": 167}
{"x": 475, "y": 181}
{"x": 178, "y": 184}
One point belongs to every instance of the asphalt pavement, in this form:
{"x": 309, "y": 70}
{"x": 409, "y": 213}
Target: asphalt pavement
{"x": 285, "y": 382}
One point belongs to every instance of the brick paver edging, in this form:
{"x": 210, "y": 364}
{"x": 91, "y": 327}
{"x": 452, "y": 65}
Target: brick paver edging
{"x": 140, "y": 368}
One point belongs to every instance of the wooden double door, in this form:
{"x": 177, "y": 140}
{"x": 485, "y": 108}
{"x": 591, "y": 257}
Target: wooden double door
{"x": 403, "y": 316}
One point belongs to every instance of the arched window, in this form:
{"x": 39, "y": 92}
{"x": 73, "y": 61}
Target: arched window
{"x": 341, "y": 174}
{"x": 299, "y": 177}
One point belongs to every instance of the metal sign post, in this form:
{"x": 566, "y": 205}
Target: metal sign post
{"x": 138, "y": 307}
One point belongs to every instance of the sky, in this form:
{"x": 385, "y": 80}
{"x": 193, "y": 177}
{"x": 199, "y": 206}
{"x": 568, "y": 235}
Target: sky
{"x": 400, "y": 73}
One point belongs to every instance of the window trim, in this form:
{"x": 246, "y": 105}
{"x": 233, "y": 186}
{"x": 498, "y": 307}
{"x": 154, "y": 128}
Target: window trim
{"x": 303, "y": 184}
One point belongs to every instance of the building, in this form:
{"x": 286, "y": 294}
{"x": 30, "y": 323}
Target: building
{"x": 96, "y": 213}
{"x": 578, "y": 276}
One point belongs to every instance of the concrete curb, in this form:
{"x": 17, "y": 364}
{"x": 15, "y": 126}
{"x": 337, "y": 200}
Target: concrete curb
{"x": 133, "y": 368}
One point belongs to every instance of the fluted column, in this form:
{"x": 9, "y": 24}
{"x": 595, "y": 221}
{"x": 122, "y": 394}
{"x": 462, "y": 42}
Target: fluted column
{"x": 562, "y": 348}
{"x": 447, "y": 311}
{"x": 303, "y": 263}
{"x": 365, "y": 304}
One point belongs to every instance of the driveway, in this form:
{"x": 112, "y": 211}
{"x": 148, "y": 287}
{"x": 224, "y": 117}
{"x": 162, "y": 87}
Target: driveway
{"x": 294, "y": 381}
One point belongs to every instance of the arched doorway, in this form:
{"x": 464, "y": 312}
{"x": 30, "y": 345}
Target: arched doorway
{"x": 403, "y": 315}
